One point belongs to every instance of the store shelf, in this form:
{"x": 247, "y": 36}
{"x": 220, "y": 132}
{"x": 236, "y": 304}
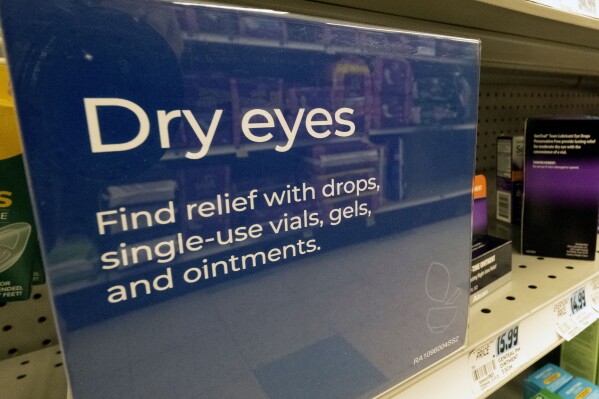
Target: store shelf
{"x": 420, "y": 129}
{"x": 27, "y": 326}
{"x": 563, "y": 44}
{"x": 36, "y": 375}
{"x": 331, "y": 49}
{"x": 537, "y": 39}
{"x": 579, "y": 13}
{"x": 245, "y": 149}
{"x": 531, "y": 309}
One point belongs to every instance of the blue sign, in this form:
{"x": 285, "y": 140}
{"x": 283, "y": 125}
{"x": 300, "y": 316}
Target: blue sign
{"x": 245, "y": 203}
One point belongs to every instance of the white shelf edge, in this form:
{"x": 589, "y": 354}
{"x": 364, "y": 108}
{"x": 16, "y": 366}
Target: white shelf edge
{"x": 545, "y": 11}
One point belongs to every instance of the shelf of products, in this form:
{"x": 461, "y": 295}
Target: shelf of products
{"x": 531, "y": 43}
{"x": 562, "y": 44}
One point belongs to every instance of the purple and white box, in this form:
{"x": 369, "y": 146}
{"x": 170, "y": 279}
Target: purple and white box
{"x": 561, "y": 190}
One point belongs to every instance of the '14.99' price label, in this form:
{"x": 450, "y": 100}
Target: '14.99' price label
{"x": 495, "y": 360}
{"x": 574, "y": 314}
{"x": 578, "y": 301}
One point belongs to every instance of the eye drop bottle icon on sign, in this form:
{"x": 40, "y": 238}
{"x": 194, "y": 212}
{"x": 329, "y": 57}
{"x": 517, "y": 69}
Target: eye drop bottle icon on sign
{"x": 438, "y": 283}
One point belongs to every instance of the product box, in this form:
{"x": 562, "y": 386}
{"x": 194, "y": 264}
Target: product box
{"x": 255, "y": 93}
{"x": 580, "y": 355}
{"x": 549, "y": 377}
{"x": 271, "y": 265}
{"x": 437, "y": 99}
{"x": 491, "y": 265}
{"x": 393, "y": 84}
{"x": 203, "y": 93}
{"x": 545, "y": 394}
{"x": 510, "y": 168}
{"x": 579, "y": 388}
{"x": 302, "y": 98}
{"x": 352, "y": 88}
{"x": 20, "y": 259}
{"x": 396, "y": 186}
{"x": 479, "y": 205}
{"x": 561, "y": 193}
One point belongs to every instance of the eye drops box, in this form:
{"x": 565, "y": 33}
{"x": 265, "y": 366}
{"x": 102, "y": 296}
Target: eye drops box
{"x": 561, "y": 188}
{"x": 479, "y": 205}
{"x": 510, "y": 159}
{"x": 549, "y": 377}
{"x": 491, "y": 265}
{"x": 579, "y": 388}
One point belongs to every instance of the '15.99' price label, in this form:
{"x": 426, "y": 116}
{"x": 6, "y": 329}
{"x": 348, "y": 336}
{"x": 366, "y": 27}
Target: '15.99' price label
{"x": 507, "y": 341}
{"x": 495, "y": 360}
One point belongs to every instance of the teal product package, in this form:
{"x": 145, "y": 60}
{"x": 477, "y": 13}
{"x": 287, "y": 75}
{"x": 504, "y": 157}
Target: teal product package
{"x": 549, "y": 377}
{"x": 579, "y": 388}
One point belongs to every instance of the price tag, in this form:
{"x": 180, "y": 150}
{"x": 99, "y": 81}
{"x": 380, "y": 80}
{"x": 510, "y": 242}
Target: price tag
{"x": 568, "y": 329}
{"x": 593, "y": 290}
{"x": 574, "y": 314}
{"x": 495, "y": 360}
{"x": 585, "y": 317}
{"x": 578, "y": 301}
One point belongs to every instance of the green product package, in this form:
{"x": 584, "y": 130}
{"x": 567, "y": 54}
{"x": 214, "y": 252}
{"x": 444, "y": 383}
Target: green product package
{"x": 20, "y": 257}
{"x": 580, "y": 356}
{"x": 19, "y": 248}
{"x": 545, "y": 394}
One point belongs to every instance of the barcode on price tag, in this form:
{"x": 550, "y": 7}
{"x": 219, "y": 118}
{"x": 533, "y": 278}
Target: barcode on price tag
{"x": 495, "y": 360}
{"x": 484, "y": 370}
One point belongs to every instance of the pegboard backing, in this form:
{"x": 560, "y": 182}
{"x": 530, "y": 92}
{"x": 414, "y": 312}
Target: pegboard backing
{"x": 504, "y": 107}
{"x": 36, "y": 375}
{"x": 27, "y": 326}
